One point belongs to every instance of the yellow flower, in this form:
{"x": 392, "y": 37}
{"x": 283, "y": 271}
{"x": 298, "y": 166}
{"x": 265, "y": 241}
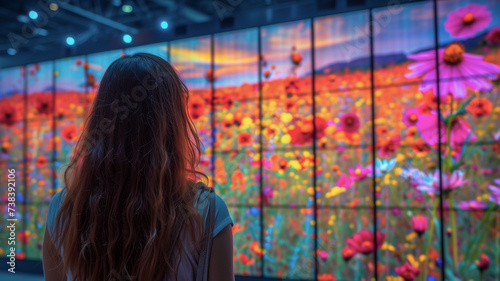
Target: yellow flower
{"x": 335, "y": 191}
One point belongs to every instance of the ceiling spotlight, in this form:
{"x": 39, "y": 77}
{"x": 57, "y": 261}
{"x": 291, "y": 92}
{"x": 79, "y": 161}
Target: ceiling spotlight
{"x": 127, "y": 8}
{"x": 127, "y": 38}
{"x": 53, "y": 6}
{"x": 33, "y": 15}
{"x": 70, "y": 41}
{"x": 11, "y": 51}
{"x": 164, "y": 24}
{"x": 42, "y": 32}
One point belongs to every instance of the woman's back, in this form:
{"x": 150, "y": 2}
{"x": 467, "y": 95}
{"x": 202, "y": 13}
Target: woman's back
{"x": 189, "y": 263}
{"x": 129, "y": 197}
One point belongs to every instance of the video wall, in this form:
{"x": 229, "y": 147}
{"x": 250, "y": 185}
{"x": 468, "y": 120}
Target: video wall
{"x": 342, "y": 152}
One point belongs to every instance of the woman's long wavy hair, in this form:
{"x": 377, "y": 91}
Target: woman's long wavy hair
{"x": 130, "y": 186}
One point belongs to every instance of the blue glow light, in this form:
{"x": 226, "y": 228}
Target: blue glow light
{"x": 127, "y": 38}
{"x": 11, "y": 51}
{"x": 33, "y": 15}
{"x": 70, "y": 40}
{"x": 164, "y": 24}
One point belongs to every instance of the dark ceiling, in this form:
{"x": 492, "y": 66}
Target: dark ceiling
{"x": 100, "y": 24}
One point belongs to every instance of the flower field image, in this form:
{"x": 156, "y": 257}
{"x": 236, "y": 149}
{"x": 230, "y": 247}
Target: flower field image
{"x": 343, "y": 152}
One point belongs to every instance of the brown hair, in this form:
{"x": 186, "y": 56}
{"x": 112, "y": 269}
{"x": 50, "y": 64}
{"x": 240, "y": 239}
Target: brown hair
{"x": 130, "y": 186}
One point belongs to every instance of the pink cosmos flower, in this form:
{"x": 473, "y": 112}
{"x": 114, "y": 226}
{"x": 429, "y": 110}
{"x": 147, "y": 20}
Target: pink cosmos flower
{"x": 427, "y": 127}
{"x": 454, "y": 65}
{"x": 348, "y": 253}
{"x": 359, "y": 173}
{"x": 349, "y": 123}
{"x": 407, "y": 271}
{"x": 450, "y": 182}
{"x": 453, "y": 181}
{"x": 362, "y": 242}
{"x": 472, "y": 205}
{"x": 410, "y": 117}
{"x": 468, "y": 20}
{"x": 344, "y": 181}
{"x": 419, "y": 224}
{"x": 493, "y": 36}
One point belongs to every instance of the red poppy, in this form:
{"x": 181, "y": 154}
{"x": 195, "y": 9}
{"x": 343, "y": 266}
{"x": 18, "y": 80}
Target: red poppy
{"x": 227, "y": 101}
{"x": 480, "y": 107}
{"x": 431, "y": 99}
{"x": 43, "y": 104}
{"x": 244, "y": 139}
{"x": 209, "y": 75}
{"x": 302, "y": 133}
{"x": 389, "y": 146}
{"x": 8, "y": 114}
{"x": 348, "y": 253}
{"x": 69, "y": 132}
{"x": 41, "y": 161}
{"x": 196, "y": 108}
{"x": 420, "y": 146}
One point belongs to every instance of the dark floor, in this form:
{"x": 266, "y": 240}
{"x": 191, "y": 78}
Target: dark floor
{"x": 19, "y": 277}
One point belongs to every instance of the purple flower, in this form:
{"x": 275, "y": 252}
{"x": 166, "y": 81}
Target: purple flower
{"x": 449, "y": 183}
{"x": 495, "y": 192}
{"x": 454, "y": 65}
{"x": 410, "y": 117}
{"x": 467, "y": 21}
{"x": 472, "y": 205}
{"x": 428, "y": 128}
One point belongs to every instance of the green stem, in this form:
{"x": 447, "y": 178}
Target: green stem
{"x": 429, "y": 238}
{"x": 453, "y": 233}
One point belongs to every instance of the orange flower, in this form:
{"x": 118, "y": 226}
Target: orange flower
{"x": 278, "y": 163}
{"x": 210, "y": 75}
{"x": 411, "y": 132}
{"x": 244, "y": 139}
{"x": 480, "y": 107}
{"x": 41, "y": 161}
{"x": 420, "y": 146}
{"x": 6, "y": 147}
{"x": 256, "y": 248}
{"x": 326, "y": 277}
{"x": 245, "y": 260}
{"x": 69, "y": 132}
{"x": 267, "y": 73}
{"x": 431, "y": 100}
{"x": 381, "y": 130}
{"x": 296, "y": 57}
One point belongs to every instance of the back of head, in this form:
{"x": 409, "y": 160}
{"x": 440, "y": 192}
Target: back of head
{"x": 130, "y": 182}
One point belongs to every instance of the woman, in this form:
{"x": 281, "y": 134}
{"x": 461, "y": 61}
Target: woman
{"x": 131, "y": 208}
